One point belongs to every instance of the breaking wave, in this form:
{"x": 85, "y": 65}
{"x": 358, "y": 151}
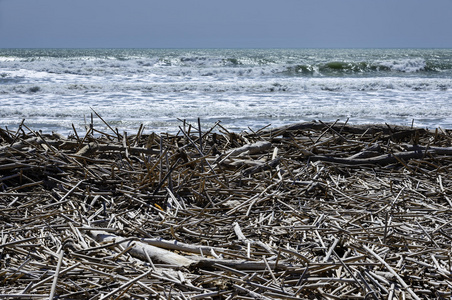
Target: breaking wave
{"x": 224, "y": 63}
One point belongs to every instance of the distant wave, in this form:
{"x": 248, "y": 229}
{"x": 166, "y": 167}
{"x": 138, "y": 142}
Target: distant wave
{"x": 228, "y": 63}
{"x": 382, "y": 67}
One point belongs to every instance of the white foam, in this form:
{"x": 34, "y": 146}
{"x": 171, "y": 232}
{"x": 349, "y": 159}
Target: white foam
{"x": 7, "y": 58}
{"x": 405, "y": 65}
{"x": 239, "y": 88}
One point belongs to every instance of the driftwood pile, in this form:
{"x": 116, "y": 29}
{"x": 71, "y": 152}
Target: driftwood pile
{"x": 312, "y": 210}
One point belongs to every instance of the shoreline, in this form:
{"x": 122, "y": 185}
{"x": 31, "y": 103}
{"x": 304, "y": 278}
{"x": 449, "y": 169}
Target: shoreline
{"x": 310, "y": 209}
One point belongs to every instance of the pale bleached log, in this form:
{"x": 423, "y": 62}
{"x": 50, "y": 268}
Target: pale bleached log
{"x": 139, "y": 249}
{"x": 88, "y": 149}
{"x": 176, "y": 245}
{"x": 258, "y": 147}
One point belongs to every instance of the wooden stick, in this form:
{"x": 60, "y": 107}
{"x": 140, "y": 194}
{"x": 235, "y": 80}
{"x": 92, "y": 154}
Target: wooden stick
{"x": 126, "y": 284}
{"x": 57, "y": 273}
{"x": 390, "y": 269}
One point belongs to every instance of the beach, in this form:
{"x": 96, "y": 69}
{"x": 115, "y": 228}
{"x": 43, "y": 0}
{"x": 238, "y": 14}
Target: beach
{"x": 305, "y": 210}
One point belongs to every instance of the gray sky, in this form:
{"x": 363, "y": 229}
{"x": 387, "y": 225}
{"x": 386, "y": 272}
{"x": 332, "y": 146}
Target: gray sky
{"x": 225, "y": 24}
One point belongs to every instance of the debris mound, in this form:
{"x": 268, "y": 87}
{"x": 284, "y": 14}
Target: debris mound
{"x": 310, "y": 210}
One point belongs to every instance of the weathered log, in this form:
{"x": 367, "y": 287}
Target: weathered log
{"x": 88, "y": 150}
{"x": 180, "y": 246}
{"x": 262, "y": 166}
{"x": 356, "y": 129}
{"x": 143, "y": 250}
{"x": 430, "y": 149}
{"x": 258, "y": 147}
{"x": 379, "y": 160}
{"x": 23, "y": 143}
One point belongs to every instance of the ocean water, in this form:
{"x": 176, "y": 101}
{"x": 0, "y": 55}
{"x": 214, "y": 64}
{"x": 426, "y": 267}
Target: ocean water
{"x": 53, "y": 89}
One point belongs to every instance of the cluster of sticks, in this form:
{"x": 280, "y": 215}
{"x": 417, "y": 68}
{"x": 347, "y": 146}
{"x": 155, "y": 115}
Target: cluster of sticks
{"x": 311, "y": 210}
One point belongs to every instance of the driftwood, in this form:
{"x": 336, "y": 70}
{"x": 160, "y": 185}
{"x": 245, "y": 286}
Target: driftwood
{"x": 143, "y": 251}
{"x": 380, "y": 160}
{"x": 305, "y": 211}
{"x": 257, "y": 147}
{"x": 183, "y": 247}
{"x": 147, "y": 252}
{"x": 337, "y": 126}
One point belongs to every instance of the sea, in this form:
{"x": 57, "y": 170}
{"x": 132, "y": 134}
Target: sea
{"x": 243, "y": 89}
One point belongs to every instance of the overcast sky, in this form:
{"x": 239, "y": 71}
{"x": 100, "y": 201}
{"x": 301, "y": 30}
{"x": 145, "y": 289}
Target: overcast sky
{"x": 225, "y": 24}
